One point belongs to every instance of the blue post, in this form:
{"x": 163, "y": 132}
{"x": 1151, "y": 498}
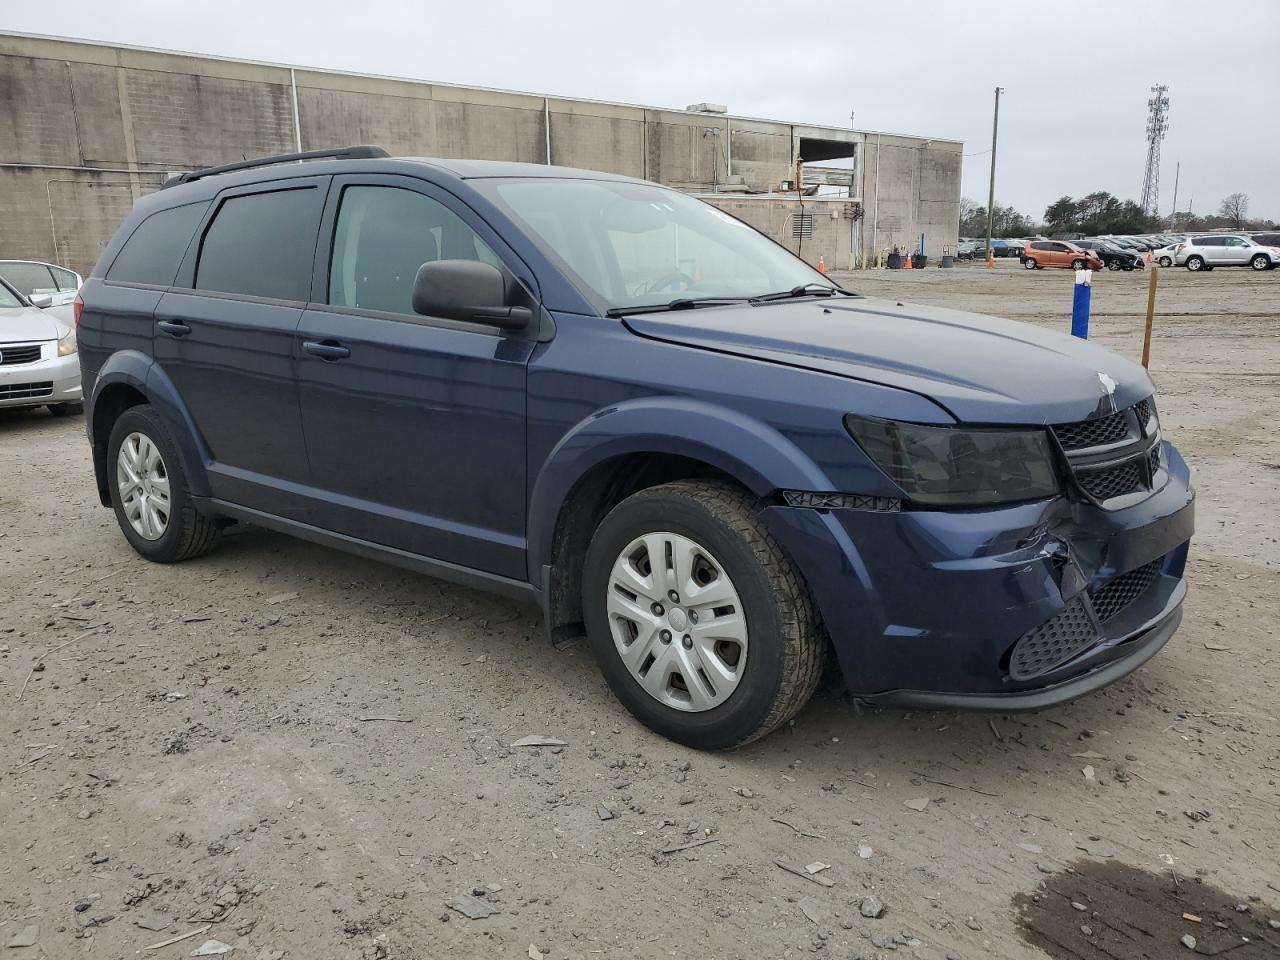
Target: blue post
{"x": 1080, "y": 304}
{"x": 922, "y": 243}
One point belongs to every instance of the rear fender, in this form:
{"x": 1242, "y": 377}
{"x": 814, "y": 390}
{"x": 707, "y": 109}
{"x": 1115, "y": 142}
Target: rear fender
{"x": 137, "y": 370}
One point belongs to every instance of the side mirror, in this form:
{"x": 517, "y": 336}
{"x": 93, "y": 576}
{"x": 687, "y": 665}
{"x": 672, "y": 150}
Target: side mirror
{"x": 42, "y": 300}
{"x": 466, "y": 290}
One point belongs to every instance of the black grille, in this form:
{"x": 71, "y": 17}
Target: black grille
{"x": 20, "y": 391}
{"x": 26, "y": 353}
{"x": 1093, "y": 433}
{"x": 1153, "y": 460}
{"x": 1143, "y": 409}
{"x": 1054, "y": 642}
{"x": 1117, "y": 593}
{"x": 1112, "y": 481}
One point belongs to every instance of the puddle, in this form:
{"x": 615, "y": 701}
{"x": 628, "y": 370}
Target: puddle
{"x": 1133, "y": 914}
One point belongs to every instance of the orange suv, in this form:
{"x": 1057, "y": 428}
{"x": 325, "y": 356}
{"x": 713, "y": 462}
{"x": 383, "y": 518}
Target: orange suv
{"x": 1058, "y": 253}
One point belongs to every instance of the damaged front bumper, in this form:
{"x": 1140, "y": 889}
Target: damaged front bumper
{"x": 1004, "y": 609}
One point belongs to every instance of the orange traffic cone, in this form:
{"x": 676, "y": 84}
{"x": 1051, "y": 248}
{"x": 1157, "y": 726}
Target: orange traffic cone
{"x": 991, "y": 260}
{"x": 907, "y": 265}
{"x": 1148, "y": 256}
{"x": 822, "y": 264}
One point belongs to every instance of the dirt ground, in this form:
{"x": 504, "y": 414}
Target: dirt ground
{"x": 310, "y": 753}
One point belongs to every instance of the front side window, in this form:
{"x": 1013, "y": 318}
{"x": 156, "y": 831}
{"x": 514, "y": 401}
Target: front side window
{"x": 636, "y": 244}
{"x": 262, "y": 245}
{"x": 29, "y": 279}
{"x": 383, "y": 235}
{"x": 65, "y": 279}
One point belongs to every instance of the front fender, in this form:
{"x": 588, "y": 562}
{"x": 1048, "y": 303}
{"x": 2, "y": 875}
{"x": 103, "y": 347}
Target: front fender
{"x": 752, "y": 452}
{"x": 140, "y": 372}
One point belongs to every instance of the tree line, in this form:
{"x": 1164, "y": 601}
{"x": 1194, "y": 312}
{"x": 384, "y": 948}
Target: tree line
{"x": 1101, "y": 213}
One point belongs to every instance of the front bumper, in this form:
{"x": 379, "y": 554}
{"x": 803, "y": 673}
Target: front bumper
{"x": 49, "y": 380}
{"x": 925, "y": 607}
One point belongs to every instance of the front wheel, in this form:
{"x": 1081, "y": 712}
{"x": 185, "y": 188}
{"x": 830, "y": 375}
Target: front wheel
{"x": 1195, "y": 264}
{"x": 1260, "y": 262}
{"x": 1165, "y": 261}
{"x": 1030, "y": 264}
{"x": 1115, "y": 265}
{"x": 700, "y": 623}
{"x": 1078, "y": 264}
{"x": 149, "y": 491}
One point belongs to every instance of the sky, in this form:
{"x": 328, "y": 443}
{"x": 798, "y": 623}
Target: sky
{"x": 1076, "y": 75}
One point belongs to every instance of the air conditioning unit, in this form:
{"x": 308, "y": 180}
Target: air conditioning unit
{"x": 707, "y": 108}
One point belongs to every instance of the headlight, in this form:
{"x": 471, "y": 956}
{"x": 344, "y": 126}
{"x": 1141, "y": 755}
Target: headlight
{"x": 959, "y": 466}
{"x": 67, "y": 345}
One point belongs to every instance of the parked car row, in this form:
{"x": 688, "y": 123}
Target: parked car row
{"x": 1260, "y": 251}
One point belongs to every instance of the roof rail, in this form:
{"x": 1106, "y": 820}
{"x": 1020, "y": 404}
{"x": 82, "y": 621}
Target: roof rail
{"x": 363, "y": 152}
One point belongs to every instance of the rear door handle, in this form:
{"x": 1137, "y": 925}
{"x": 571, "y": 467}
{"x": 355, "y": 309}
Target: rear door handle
{"x": 174, "y": 328}
{"x": 325, "y": 350}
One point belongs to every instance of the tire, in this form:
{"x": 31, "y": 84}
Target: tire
{"x": 1030, "y": 264}
{"x": 185, "y": 533}
{"x": 1078, "y": 264}
{"x": 1260, "y": 262}
{"x": 783, "y": 648}
{"x": 66, "y": 409}
{"x": 1166, "y": 261}
{"x": 1195, "y": 264}
{"x": 1117, "y": 265}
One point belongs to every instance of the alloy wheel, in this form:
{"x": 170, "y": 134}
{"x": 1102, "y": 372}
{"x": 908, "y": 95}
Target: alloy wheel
{"x": 143, "y": 482}
{"x": 677, "y": 622}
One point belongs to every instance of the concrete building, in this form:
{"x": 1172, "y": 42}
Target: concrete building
{"x": 86, "y": 128}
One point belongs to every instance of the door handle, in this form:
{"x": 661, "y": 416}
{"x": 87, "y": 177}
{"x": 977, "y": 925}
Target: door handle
{"x": 325, "y": 350}
{"x": 175, "y": 328}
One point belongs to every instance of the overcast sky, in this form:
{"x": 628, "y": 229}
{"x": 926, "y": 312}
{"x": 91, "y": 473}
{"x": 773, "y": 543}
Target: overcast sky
{"x": 1076, "y": 75}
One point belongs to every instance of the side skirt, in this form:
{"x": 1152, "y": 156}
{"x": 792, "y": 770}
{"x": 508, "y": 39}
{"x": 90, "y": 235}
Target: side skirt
{"x": 441, "y": 569}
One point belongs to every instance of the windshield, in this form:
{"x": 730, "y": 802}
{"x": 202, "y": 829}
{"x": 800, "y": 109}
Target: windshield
{"x": 7, "y": 299}
{"x": 636, "y": 245}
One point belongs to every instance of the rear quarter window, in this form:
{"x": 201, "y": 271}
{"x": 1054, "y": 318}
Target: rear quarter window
{"x": 153, "y": 251}
{"x": 262, "y": 245}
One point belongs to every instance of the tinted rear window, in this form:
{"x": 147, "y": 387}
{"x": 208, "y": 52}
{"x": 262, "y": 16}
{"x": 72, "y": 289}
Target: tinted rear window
{"x": 262, "y": 245}
{"x": 154, "y": 250}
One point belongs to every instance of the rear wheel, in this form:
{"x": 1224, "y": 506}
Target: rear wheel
{"x": 1260, "y": 261}
{"x": 1078, "y": 264}
{"x": 1165, "y": 261}
{"x": 701, "y": 625}
{"x": 149, "y": 491}
{"x": 1030, "y": 264}
{"x": 1116, "y": 265}
{"x": 1195, "y": 264}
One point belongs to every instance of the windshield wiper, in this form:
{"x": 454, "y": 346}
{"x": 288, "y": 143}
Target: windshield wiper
{"x": 680, "y": 303}
{"x": 814, "y": 289}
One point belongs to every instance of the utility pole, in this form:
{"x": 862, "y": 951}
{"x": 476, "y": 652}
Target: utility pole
{"x": 991, "y": 196}
{"x": 1177, "y": 174}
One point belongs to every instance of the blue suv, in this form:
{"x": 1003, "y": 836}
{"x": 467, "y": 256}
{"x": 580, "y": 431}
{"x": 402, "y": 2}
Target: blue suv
{"x": 621, "y": 404}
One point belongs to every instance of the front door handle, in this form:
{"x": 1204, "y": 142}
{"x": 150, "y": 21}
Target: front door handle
{"x": 175, "y": 328}
{"x": 325, "y": 350}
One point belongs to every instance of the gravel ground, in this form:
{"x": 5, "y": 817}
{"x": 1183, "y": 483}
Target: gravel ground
{"x": 312, "y": 754}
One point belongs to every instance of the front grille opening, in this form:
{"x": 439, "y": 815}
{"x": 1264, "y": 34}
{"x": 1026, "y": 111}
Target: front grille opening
{"x": 1112, "y": 482}
{"x": 1114, "y": 596}
{"x": 1093, "y": 433}
{"x": 1054, "y": 642}
{"x": 26, "y": 353}
{"x": 22, "y": 391}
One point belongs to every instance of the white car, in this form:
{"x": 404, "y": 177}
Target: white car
{"x": 34, "y": 278}
{"x": 39, "y": 363}
{"x": 1224, "y": 250}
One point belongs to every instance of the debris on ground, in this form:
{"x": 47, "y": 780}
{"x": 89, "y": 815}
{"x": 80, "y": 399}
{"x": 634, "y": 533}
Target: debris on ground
{"x": 802, "y": 872}
{"x": 917, "y": 804}
{"x": 871, "y": 908}
{"x": 535, "y": 740}
{"x": 212, "y": 948}
{"x": 473, "y": 908}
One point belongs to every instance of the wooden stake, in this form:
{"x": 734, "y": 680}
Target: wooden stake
{"x": 1151, "y": 311}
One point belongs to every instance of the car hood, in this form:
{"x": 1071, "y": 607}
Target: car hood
{"x": 24, "y": 324}
{"x": 981, "y": 369}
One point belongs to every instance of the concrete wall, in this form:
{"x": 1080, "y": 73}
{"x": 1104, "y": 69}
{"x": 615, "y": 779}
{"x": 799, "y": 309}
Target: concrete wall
{"x": 918, "y": 192}
{"x": 86, "y": 128}
{"x": 834, "y": 222}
